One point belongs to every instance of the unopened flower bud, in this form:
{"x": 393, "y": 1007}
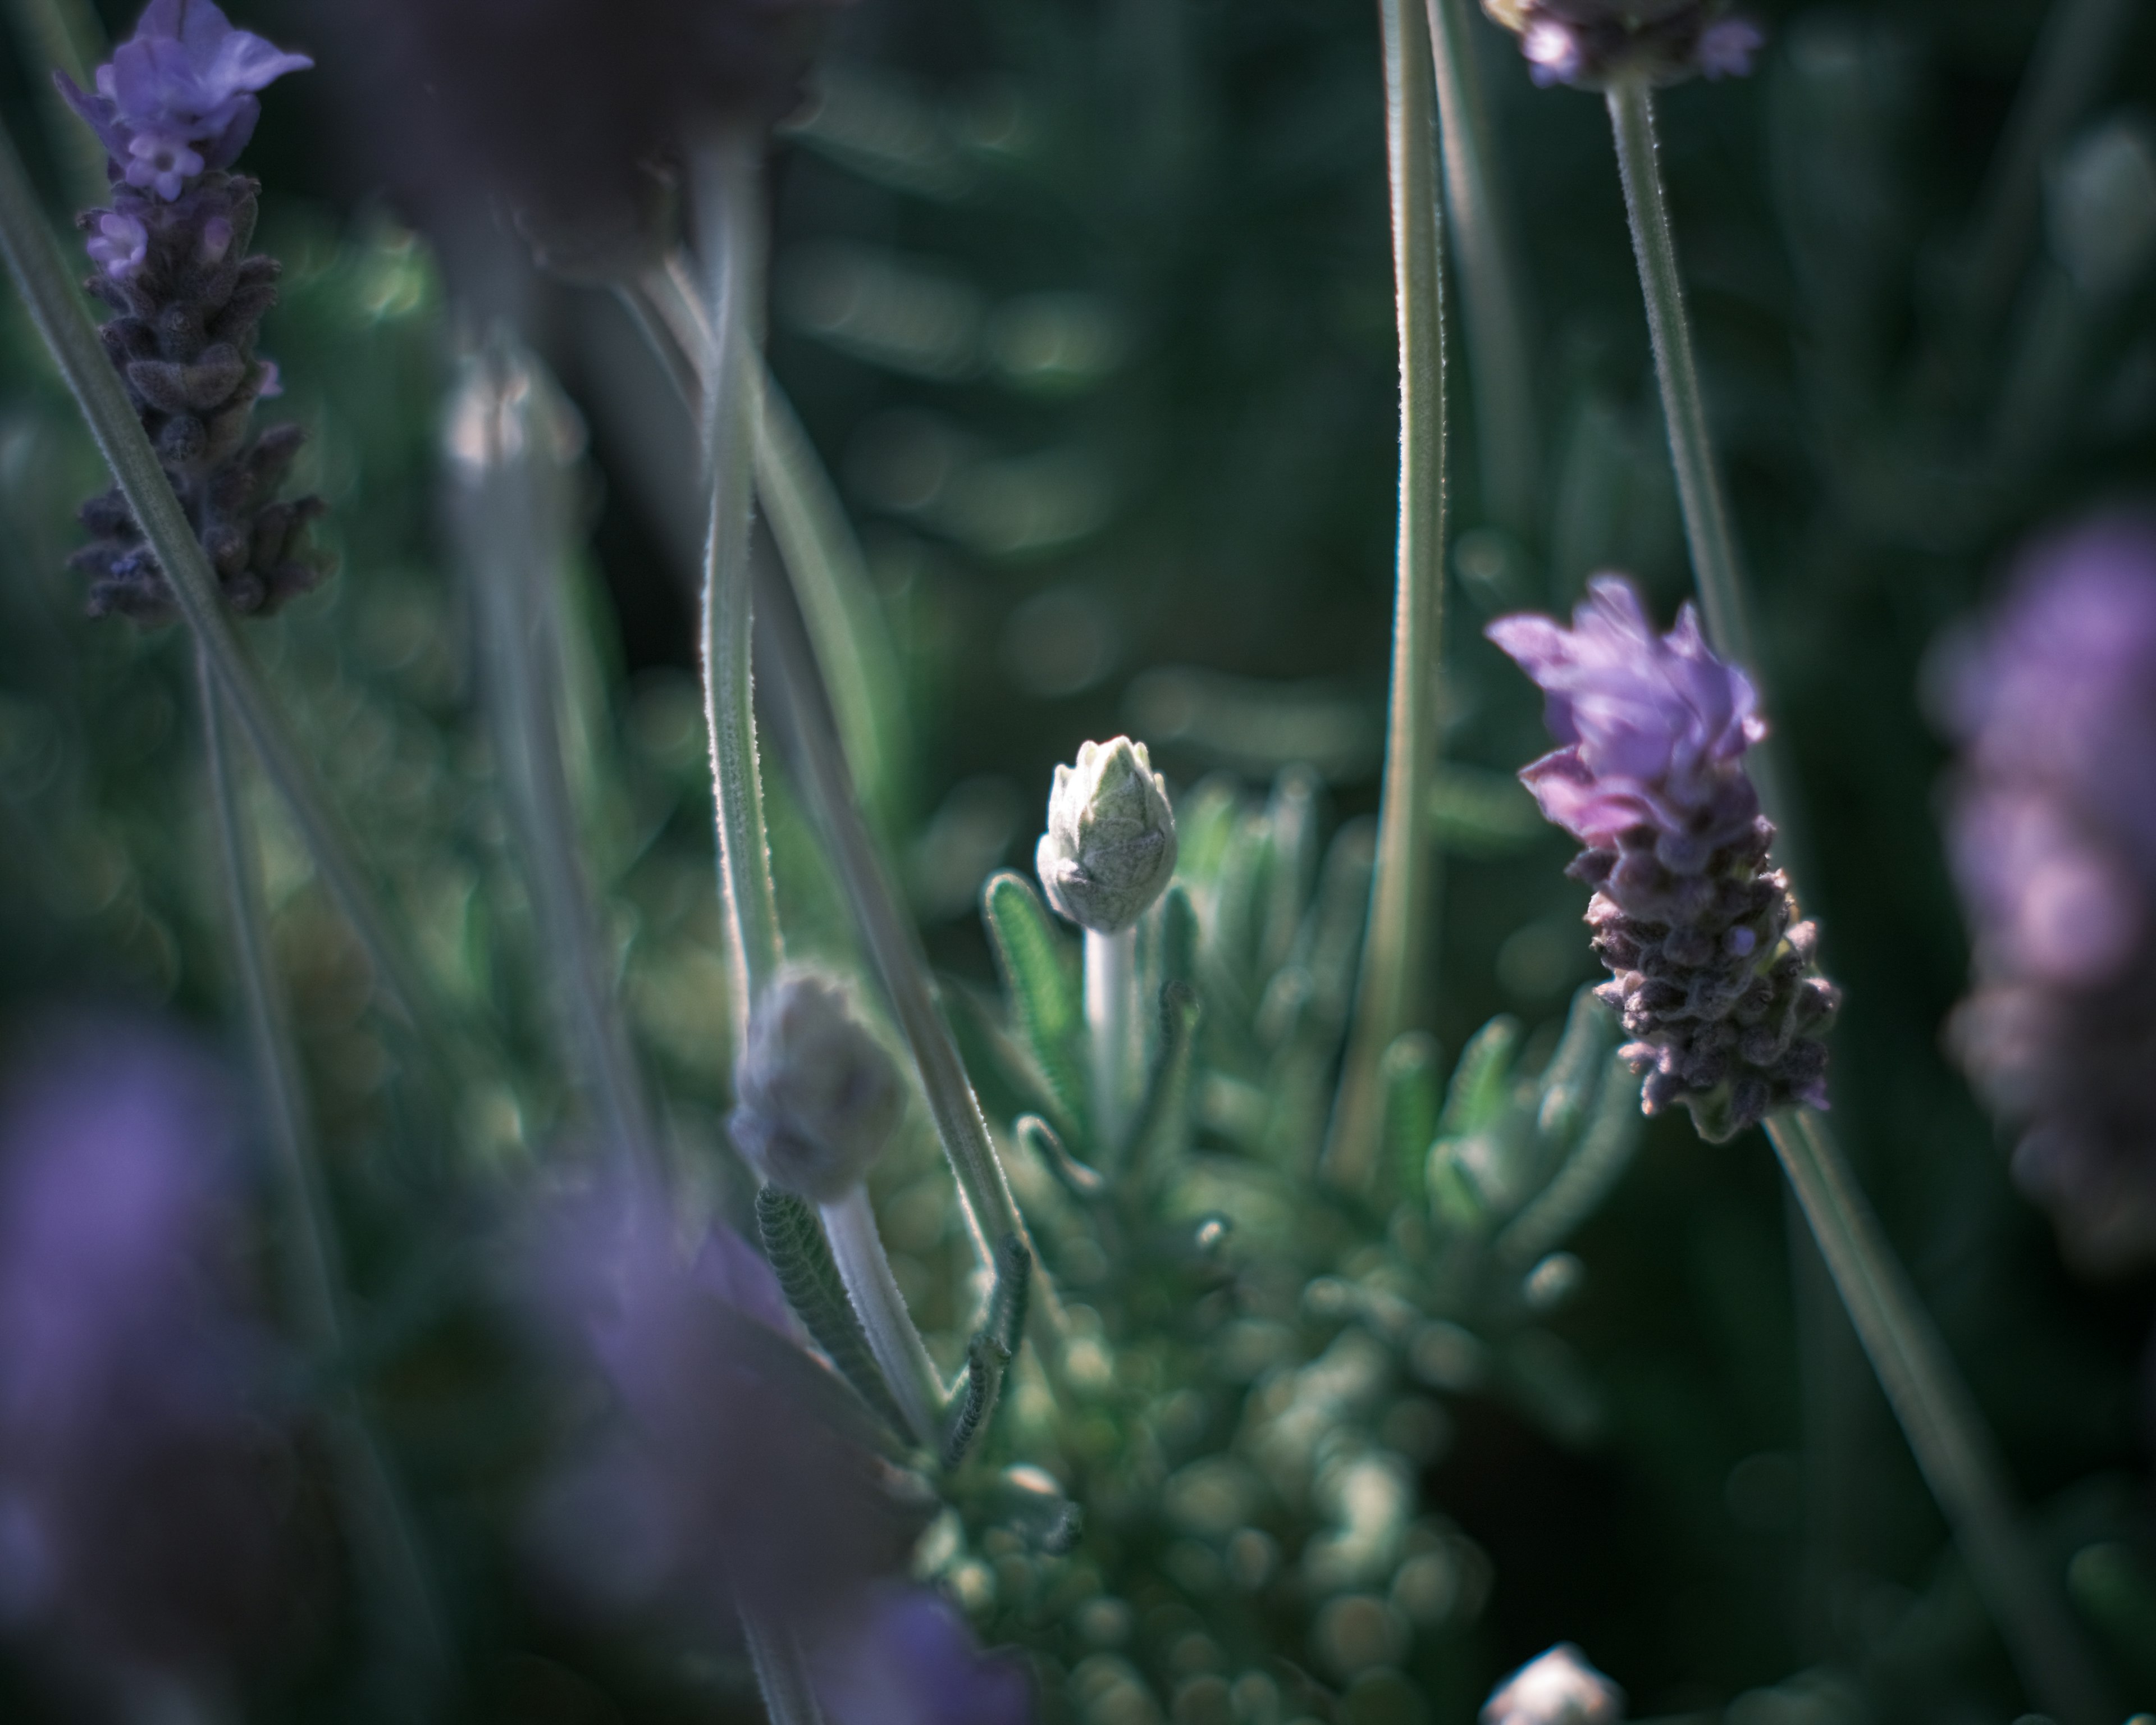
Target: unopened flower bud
{"x": 1559, "y": 1688}
{"x": 818, "y": 1096}
{"x": 1110, "y": 848}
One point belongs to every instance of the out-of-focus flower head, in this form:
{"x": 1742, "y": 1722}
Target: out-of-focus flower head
{"x": 820, "y": 1096}
{"x": 573, "y": 115}
{"x": 1110, "y": 848}
{"x": 2053, "y": 842}
{"x": 178, "y": 97}
{"x": 909, "y": 1659}
{"x": 146, "y": 1501}
{"x": 1592, "y": 44}
{"x": 707, "y": 1481}
{"x": 1559, "y": 1688}
{"x": 1713, "y": 973}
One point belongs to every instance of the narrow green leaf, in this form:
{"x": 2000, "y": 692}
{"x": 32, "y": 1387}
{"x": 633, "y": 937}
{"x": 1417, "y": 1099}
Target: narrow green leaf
{"x": 1574, "y": 1073}
{"x": 1042, "y": 977}
{"x": 1482, "y": 1081}
{"x": 1291, "y": 821}
{"x": 1081, "y": 1181}
{"x": 1412, "y": 1097}
{"x": 988, "y": 1355}
{"x": 1588, "y": 1176}
{"x": 1163, "y": 1127}
{"x": 801, "y": 1258}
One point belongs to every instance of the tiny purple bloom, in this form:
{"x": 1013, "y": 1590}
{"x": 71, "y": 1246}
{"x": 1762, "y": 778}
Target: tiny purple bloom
{"x": 910, "y": 1660}
{"x": 1728, "y": 48}
{"x": 178, "y": 97}
{"x": 1553, "y": 51}
{"x": 2053, "y": 837}
{"x": 120, "y": 244}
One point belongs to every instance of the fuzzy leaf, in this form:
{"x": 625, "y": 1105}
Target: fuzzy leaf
{"x": 1081, "y": 1182}
{"x": 1163, "y": 1125}
{"x": 1043, "y": 983}
{"x": 988, "y": 1355}
{"x": 1481, "y": 1082}
{"x": 801, "y": 1257}
{"x": 1409, "y": 1075}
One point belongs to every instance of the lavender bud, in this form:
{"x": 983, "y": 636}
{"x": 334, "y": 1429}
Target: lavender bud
{"x": 819, "y": 1097}
{"x": 2052, "y": 836}
{"x": 1591, "y": 44}
{"x": 173, "y": 108}
{"x": 1701, "y": 937}
{"x": 1110, "y": 848}
{"x": 1559, "y": 1688}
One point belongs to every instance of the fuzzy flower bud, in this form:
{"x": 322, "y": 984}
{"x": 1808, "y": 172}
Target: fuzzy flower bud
{"x": 1110, "y": 848}
{"x": 819, "y": 1097}
{"x": 1591, "y": 44}
{"x": 2053, "y": 841}
{"x": 1713, "y": 975}
{"x": 1559, "y": 1688}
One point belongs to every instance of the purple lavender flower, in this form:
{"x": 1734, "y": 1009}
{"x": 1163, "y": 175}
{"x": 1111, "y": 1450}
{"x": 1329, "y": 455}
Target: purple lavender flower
{"x": 144, "y": 1500}
{"x": 707, "y": 1481}
{"x": 177, "y": 98}
{"x": 908, "y": 1659}
{"x": 1713, "y": 973}
{"x": 1591, "y": 44}
{"x": 2053, "y": 841}
{"x": 173, "y": 108}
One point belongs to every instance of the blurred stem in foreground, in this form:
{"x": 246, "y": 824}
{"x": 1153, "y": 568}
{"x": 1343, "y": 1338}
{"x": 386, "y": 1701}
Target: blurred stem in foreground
{"x": 415, "y": 1657}
{"x": 507, "y": 444}
{"x": 1937, "y": 1416}
{"x": 64, "y": 36}
{"x": 781, "y": 1670}
{"x": 43, "y": 280}
{"x": 1486, "y": 257}
{"x": 1397, "y": 957}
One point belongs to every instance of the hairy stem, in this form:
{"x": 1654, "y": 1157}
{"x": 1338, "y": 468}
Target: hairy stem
{"x": 1396, "y": 961}
{"x": 1485, "y": 256}
{"x": 1953, "y": 1446}
{"x": 43, "y": 278}
{"x": 1937, "y": 1414}
{"x": 730, "y": 205}
{"x": 505, "y": 446}
{"x": 857, "y": 1249}
{"x": 314, "y": 1276}
{"x": 781, "y": 1669}
{"x": 1114, "y": 1038}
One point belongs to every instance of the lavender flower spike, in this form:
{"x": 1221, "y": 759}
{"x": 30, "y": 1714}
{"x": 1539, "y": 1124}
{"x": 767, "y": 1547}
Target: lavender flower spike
{"x": 173, "y": 108}
{"x": 1713, "y": 975}
{"x": 177, "y": 98}
{"x": 2053, "y": 842}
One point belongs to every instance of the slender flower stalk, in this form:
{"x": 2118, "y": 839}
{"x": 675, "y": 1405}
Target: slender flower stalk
{"x": 510, "y": 441}
{"x": 1486, "y": 258}
{"x": 44, "y": 282}
{"x": 1937, "y": 1416}
{"x": 1114, "y": 1033}
{"x": 418, "y": 1649}
{"x": 781, "y": 1669}
{"x": 730, "y": 202}
{"x": 857, "y": 1249}
{"x": 1396, "y": 963}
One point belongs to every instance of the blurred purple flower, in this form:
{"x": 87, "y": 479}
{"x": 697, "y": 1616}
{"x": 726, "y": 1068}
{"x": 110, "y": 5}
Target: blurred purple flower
{"x": 2052, "y": 838}
{"x": 1590, "y": 43}
{"x": 708, "y": 1480}
{"x": 1559, "y": 1688}
{"x": 1713, "y": 973}
{"x": 178, "y": 97}
{"x": 909, "y": 1659}
{"x": 144, "y": 1500}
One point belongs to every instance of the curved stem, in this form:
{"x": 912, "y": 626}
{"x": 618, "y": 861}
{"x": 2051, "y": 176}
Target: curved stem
{"x": 857, "y": 1249}
{"x": 1492, "y": 304}
{"x": 1397, "y": 962}
{"x": 49, "y": 292}
{"x": 729, "y": 204}
{"x": 313, "y": 1272}
{"x": 505, "y": 445}
{"x": 1946, "y": 1431}
{"x": 1114, "y": 1037}
{"x": 781, "y": 1670}
{"x": 1937, "y": 1416}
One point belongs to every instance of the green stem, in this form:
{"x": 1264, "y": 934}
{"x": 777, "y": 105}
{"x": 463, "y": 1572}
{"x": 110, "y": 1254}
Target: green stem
{"x": 1397, "y": 962}
{"x": 43, "y": 278}
{"x": 1937, "y": 1416}
{"x": 1945, "y": 1429}
{"x": 1114, "y": 1038}
{"x": 1492, "y": 304}
{"x": 313, "y": 1272}
{"x": 781, "y": 1670}
{"x": 505, "y": 446}
{"x": 730, "y": 200}
{"x": 65, "y": 36}
{"x": 857, "y": 1249}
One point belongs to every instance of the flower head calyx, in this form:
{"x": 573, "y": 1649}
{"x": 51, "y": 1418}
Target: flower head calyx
{"x": 1109, "y": 850}
{"x": 819, "y": 1097}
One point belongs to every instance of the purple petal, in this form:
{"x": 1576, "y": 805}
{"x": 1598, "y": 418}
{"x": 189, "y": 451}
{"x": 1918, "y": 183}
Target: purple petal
{"x": 98, "y": 113}
{"x": 245, "y": 62}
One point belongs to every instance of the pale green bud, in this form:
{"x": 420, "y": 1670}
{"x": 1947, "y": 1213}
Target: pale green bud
{"x": 817, "y": 1096}
{"x": 1110, "y": 848}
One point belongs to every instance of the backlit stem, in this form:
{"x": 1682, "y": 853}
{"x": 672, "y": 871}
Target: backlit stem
{"x": 1114, "y": 1038}
{"x": 857, "y": 1249}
